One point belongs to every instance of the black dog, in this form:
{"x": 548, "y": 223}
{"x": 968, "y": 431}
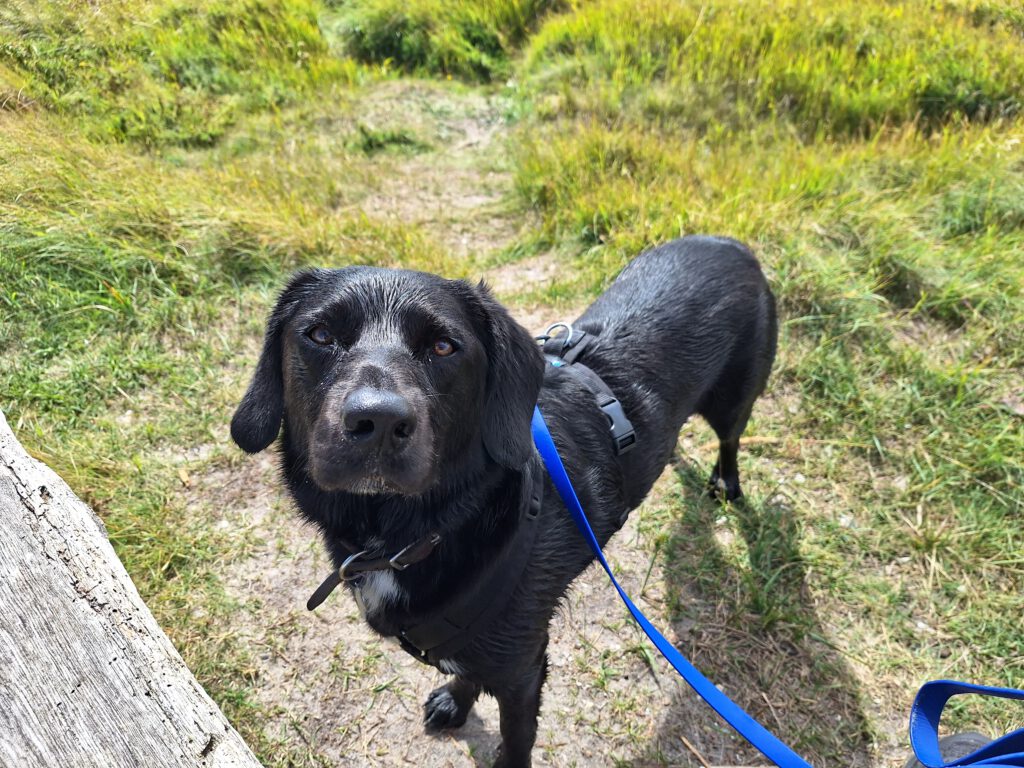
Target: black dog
{"x": 406, "y": 402}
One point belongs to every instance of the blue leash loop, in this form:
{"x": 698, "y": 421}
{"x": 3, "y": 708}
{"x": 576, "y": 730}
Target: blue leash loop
{"x": 1006, "y": 752}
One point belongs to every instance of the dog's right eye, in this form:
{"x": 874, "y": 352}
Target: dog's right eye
{"x": 319, "y": 334}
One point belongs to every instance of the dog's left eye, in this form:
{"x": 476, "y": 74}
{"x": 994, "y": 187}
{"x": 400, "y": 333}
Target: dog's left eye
{"x": 319, "y": 334}
{"x": 443, "y": 347}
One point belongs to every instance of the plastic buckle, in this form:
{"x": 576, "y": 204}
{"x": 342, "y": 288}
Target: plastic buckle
{"x": 622, "y": 431}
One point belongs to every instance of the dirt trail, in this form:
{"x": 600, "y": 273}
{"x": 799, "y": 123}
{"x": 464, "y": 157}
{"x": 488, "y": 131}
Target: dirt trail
{"x": 456, "y": 190}
{"x": 337, "y": 694}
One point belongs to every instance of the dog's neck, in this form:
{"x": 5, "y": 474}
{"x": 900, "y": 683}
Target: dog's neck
{"x": 385, "y": 522}
{"x": 475, "y": 521}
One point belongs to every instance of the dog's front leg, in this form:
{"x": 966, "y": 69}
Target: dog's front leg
{"x": 449, "y": 706}
{"x": 518, "y": 707}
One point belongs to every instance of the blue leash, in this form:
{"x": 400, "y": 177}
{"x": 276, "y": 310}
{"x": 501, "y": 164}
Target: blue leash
{"x": 1004, "y": 752}
{"x": 1007, "y": 752}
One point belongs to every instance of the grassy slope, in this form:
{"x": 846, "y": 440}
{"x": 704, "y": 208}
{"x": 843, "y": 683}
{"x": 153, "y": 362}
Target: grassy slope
{"x": 156, "y": 184}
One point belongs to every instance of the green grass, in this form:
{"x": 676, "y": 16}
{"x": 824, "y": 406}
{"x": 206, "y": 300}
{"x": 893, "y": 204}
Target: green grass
{"x": 473, "y": 41}
{"x": 166, "y": 72}
{"x": 165, "y": 166}
{"x": 128, "y": 282}
{"x": 872, "y": 162}
{"x": 841, "y": 68}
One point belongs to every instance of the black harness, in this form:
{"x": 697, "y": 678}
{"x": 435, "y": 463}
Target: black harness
{"x": 561, "y": 351}
{"x": 442, "y": 637}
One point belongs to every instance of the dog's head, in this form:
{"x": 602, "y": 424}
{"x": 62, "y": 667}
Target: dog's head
{"x": 386, "y": 379}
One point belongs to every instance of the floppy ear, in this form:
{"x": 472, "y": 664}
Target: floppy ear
{"x": 514, "y": 375}
{"x": 258, "y": 418}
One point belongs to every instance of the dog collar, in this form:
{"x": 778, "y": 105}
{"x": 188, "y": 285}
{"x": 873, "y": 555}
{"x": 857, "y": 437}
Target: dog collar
{"x": 357, "y": 564}
{"x": 471, "y": 611}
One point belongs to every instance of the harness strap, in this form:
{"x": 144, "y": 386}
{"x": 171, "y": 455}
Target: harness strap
{"x": 563, "y": 351}
{"x": 440, "y": 638}
{"x": 567, "y": 346}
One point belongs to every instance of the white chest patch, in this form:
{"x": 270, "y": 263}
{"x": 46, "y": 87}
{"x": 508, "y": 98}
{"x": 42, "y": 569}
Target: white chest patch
{"x": 379, "y": 588}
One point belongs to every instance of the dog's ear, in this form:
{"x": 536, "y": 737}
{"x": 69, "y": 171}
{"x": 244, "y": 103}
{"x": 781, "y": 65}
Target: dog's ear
{"x": 258, "y": 418}
{"x": 515, "y": 370}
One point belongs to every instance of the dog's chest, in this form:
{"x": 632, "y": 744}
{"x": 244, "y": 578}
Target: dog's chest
{"x": 376, "y": 591}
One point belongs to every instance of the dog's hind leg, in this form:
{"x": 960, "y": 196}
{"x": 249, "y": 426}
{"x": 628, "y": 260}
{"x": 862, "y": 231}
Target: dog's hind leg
{"x": 448, "y": 706}
{"x": 728, "y": 424}
{"x": 518, "y": 707}
{"x": 728, "y": 404}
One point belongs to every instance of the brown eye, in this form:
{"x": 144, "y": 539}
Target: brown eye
{"x": 443, "y": 347}
{"x": 320, "y": 335}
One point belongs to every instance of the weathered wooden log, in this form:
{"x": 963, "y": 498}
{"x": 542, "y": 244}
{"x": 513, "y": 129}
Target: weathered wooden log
{"x": 87, "y": 677}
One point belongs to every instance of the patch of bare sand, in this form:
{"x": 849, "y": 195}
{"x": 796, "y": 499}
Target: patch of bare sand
{"x": 455, "y": 191}
{"x": 522, "y": 277}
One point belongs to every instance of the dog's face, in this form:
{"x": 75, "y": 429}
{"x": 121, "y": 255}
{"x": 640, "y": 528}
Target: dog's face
{"x": 386, "y": 379}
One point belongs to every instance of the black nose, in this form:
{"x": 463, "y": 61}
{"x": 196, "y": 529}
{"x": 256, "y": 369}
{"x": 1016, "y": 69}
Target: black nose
{"x": 376, "y": 416}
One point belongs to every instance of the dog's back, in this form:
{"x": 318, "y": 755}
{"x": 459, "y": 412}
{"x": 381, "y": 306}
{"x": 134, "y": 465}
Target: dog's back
{"x": 687, "y": 327}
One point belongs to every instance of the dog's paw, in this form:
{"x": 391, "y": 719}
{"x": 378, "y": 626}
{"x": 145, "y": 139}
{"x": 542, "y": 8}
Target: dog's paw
{"x": 719, "y": 488}
{"x": 443, "y": 711}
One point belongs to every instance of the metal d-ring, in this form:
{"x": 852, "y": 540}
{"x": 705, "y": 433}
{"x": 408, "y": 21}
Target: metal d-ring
{"x": 568, "y": 339}
{"x": 343, "y": 573}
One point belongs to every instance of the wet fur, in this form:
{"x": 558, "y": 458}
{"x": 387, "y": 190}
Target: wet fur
{"x": 688, "y": 327}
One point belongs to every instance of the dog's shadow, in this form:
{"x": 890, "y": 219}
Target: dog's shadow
{"x": 742, "y": 612}
{"x": 751, "y": 626}
{"x": 479, "y": 738}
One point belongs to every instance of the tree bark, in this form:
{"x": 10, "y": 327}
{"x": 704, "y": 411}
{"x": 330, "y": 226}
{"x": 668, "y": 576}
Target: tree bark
{"x": 87, "y": 678}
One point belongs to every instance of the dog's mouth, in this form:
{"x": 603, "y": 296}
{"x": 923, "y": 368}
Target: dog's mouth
{"x": 335, "y": 471}
{"x": 371, "y": 485}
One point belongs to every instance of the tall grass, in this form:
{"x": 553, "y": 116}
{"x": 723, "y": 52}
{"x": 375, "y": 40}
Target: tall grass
{"x": 897, "y": 214}
{"x": 839, "y": 68}
{"x": 448, "y": 37}
{"x": 163, "y": 165}
{"x": 164, "y": 71}
{"x": 132, "y": 286}
{"x": 870, "y": 153}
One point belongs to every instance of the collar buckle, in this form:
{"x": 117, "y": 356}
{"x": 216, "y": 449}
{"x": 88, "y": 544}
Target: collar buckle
{"x": 415, "y": 552}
